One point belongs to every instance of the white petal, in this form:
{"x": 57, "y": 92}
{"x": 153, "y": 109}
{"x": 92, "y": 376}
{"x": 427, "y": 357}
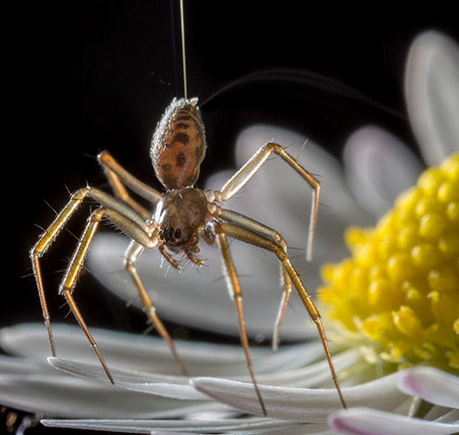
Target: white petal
{"x": 362, "y": 421}
{"x": 301, "y": 403}
{"x": 175, "y": 387}
{"x": 246, "y": 426}
{"x": 432, "y": 94}
{"x": 432, "y": 385}
{"x": 378, "y": 168}
{"x": 312, "y": 375}
{"x": 65, "y": 396}
{"x": 195, "y": 426}
{"x": 178, "y": 386}
{"x": 151, "y": 354}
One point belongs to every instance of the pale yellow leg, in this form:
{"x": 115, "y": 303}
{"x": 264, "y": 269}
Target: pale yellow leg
{"x": 253, "y": 165}
{"x": 115, "y": 210}
{"x": 253, "y": 238}
{"x": 265, "y": 231}
{"x": 133, "y": 253}
{"x": 118, "y": 178}
{"x": 71, "y": 277}
{"x": 42, "y": 246}
{"x": 233, "y": 284}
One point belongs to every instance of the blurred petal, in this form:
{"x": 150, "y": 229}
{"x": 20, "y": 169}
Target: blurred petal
{"x": 362, "y": 421}
{"x": 378, "y": 168}
{"x": 17, "y": 366}
{"x": 199, "y": 296}
{"x": 432, "y": 94}
{"x": 301, "y": 403}
{"x": 432, "y": 385}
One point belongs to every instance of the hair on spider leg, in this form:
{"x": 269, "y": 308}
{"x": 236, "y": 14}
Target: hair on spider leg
{"x": 185, "y": 262}
{"x": 28, "y": 274}
{"x": 130, "y": 301}
{"x": 303, "y": 146}
{"x": 150, "y": 327}
{"x": 221, "y": 277}
{"x": 50, "y": 206}
{"x": 297, "y": 256}
{"x": 168, "y": 267}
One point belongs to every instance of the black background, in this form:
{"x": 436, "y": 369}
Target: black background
{"x": 80, "y": 77}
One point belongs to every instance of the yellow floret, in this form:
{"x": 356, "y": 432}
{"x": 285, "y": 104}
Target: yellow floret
{"x": 399, "y": 293}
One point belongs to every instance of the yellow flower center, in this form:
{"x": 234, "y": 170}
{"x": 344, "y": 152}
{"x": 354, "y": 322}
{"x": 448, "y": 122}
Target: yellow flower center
{"x": 399, "y": 293}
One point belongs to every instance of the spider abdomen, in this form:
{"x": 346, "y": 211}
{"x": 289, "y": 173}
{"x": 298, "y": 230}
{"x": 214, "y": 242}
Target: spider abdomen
{"x": 179, "y": 146}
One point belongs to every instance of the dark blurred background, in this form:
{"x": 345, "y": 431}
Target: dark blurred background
{"x": 80, "y": 77}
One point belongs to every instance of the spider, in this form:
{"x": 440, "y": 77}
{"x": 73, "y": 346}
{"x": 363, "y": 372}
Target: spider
{"x": 183, "y": 216}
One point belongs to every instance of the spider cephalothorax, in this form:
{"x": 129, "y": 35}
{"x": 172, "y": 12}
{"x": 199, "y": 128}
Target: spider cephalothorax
{"x": 179, "y": 215}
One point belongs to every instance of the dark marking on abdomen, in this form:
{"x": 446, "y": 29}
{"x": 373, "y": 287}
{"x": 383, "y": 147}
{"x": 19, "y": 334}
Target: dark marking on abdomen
{"x": 180, "y": 160}
{"x": 182, "y": 138}
{"x": 184, "y": 117}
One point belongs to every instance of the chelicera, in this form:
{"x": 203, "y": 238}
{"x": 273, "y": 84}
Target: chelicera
{"x": 183, "y": 216}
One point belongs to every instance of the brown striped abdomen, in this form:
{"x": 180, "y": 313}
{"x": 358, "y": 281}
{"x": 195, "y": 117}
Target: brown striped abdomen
{"x": 179, "y": 145}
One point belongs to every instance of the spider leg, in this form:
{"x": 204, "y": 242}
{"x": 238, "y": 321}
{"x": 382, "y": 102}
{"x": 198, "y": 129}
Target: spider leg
{"x": 118, "y": 178}
{"x": 248, "y": 236}
{"x": 195, "y": 260}
{"x": 71, "y": 275}
{"x": 235, "y": 288}
{"x": 241, "y": 177}
{"x": 134, "y": 251}
{"x": 271, "y": 234}
{"x": 168, "y": 256}
{"x": 115, "y": 210}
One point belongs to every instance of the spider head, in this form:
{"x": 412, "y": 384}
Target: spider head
{"x": 179, "y": 216}
{"x": 174, "y": 235}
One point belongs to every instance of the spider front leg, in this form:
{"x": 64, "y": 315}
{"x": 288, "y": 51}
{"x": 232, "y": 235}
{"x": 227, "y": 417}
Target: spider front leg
{"x": 248, "y": 236}
{"x": 241, "y": 177}
{"x": 235, "y": 288}
{"x": 118, "y": 213}
{"x": 265, "y": 231}
{"x": 134, "y": 251}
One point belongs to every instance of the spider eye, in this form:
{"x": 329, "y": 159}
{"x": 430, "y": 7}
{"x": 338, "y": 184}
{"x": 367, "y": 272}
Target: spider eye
{"x": 178, "y": 233}
{"x": 171, "y": 233}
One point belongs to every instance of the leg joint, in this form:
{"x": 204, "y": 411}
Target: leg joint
{"x": 81, "y": 194}
{"x": 129, "y": 265}
{"x": 276, "y": 148}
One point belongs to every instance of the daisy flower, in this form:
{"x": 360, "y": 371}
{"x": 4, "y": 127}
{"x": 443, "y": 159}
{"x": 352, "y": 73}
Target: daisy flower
{"x": 392, "y": 309}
